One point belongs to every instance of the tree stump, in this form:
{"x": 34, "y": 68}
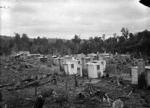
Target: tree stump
{"x": 39, "y": 102}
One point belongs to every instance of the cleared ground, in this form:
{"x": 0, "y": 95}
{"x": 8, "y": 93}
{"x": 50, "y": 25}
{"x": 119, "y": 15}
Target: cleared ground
{"x": 25, "y": 97}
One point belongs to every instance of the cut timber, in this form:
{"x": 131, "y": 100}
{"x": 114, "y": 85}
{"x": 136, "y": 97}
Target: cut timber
{"x": 35, "y": 83}
{"x": 118, "y": 83}
{"x": 129, "y": 94}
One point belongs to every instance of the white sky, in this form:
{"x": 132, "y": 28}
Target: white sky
{"x": 64, "y": 18}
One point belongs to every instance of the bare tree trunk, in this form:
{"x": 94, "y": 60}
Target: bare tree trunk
{"x": 66, "y": 85}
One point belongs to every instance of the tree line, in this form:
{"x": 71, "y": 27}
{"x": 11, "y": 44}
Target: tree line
{"x": 137, "y": 44}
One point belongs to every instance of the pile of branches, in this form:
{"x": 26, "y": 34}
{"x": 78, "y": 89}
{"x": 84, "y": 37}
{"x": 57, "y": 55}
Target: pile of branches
{"x": 93, "y": 94}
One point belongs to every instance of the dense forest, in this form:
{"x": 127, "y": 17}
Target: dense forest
{"x": 137, "y": 44}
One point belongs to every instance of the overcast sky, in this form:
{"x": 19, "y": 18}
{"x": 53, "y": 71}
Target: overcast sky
{"x": 64, "y": 18}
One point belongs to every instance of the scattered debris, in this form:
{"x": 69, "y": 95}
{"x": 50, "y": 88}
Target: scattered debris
{"x": 27, "y": 76}
{"x": 60, "y": 98}
{"x": 118, "y": 104}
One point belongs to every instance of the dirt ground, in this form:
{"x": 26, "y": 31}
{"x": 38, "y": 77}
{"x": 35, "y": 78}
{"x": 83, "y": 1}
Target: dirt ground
{"x": 25, "y": 97}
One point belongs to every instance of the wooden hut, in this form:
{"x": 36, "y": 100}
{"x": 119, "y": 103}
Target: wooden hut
{"x": 72, "y": 67}
{"x": 134, "y": 73}
{"x": 84, "y": 61}
{"x": 95, "y": 69}
{"x": 147, "y": 75}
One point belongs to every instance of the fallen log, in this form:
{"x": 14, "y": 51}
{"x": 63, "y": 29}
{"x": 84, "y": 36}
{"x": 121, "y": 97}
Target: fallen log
{"x": 34, "y": 83}
{"x": 7, "y": 85}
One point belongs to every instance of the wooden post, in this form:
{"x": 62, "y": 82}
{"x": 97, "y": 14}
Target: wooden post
{"x": 75, "y": 81}
{"x": 118, "y": 83}
{"x": 66, "y": 85}
{"x": 35, "y": 90}
{"x": 0, "y": 98}
{"x": 115, "y": 68}
{"x": 54, "y": 80}
{"x": 0, "y": 95}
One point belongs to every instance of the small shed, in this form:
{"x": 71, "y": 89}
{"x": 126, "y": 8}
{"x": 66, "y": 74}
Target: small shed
{"x": 80, "y": 56}
{"x": 100, "y": 57}
{"x": 57, "y": 61}
{"x": 54, "y": 59}
{"x": 35, "y": 55}
{"x": 102, "y": 63}
{"x": 93, "y": 56}
{"x": 61, "y": 61}
{"x": 68, "y": 57}
{"x": 79, "y": 66}
{"x": 138, "y": 70}
{"x": 105, "y": 56}
{"x": 84, "y": 61}
{"x": 134, "y": 73}
{"x": 141, "y": 66}
{"x": 70, "y": 67}
{"x": 95, "y": 69}
{"x": 43, "y": 59}
{"x": 24, "y": 53}
{"x": 123, "y": 57}
{"x": 147, "y": 71}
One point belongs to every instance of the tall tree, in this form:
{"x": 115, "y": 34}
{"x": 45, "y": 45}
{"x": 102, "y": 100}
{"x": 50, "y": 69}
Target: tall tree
{"x": 125, "y": 32}
{"x": 76, "y": 40}
{"x": 18, "y": 41}
{"x": 25, "y": 42}
{"x": 103, "y": 37}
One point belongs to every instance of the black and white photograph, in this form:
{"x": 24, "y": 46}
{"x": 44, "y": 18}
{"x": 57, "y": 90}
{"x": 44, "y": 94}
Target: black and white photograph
{"x": 74, "y": 54}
